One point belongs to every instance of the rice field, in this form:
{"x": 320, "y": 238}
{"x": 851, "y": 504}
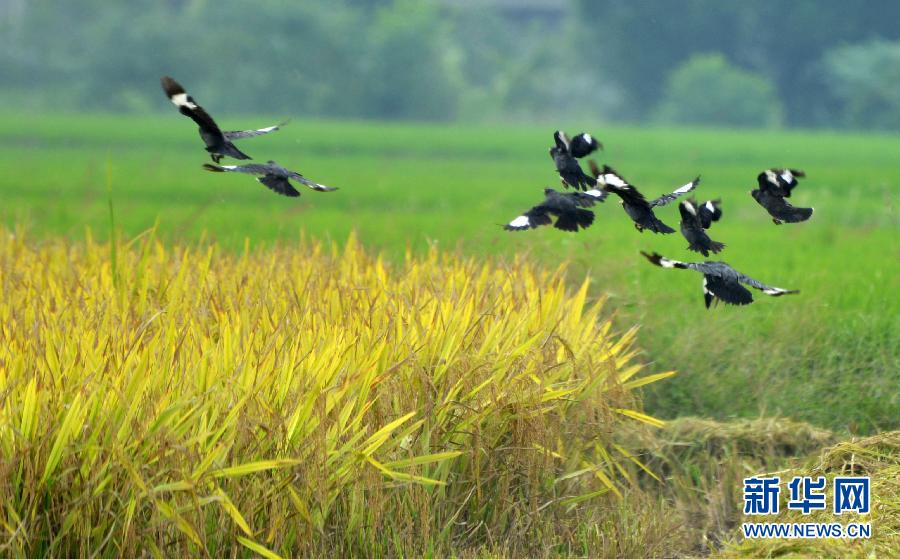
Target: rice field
{"x": 191, "y": 365}
{"x": 310, "y": 400}
{"x": 829, "y": 355}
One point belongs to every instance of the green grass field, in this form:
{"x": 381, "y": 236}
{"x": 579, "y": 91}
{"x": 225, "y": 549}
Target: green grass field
{"x": 830, "y": 355}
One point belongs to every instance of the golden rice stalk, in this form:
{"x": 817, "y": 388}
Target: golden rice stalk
{"x": 288, "y": 401}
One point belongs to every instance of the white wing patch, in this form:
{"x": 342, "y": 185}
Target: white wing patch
{"x": 228, "y": 167}
{"x": 666, "y": 263}
{"x": 520, "y": 222}
{"x": 787, "y": 176}
{"x": 588, "y": 138}
{"x": 690, "y": 207}
{"x": 686, "y": 188}
{"x": 268, "y": 129}
{"x": 775, "y": 291}
{"x": 709, "y": 206}
{"x": 614, "y": 180}
{"x": 772, "y": 177}
{"x": 595, "y": 193}
{"x": 181, "y": 100}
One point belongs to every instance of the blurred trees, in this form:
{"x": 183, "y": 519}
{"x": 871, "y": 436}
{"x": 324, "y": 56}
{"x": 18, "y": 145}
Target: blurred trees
{"x": 708, "y": 90}
{"x": 408, "y": 59}
{"x": 641, "y": 41}
{"x": 446, "y": 59}
{"x": 864, "y": 85}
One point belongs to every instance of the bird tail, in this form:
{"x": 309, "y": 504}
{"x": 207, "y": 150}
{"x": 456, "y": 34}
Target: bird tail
{"x": 658, "y": 226}
{"x": 572, "y": 221}
{"x": 706, "y": 247}
{"x": 796, "y": 215}
{"x": 232, "y": 151}
{"x": 214, "y": 168}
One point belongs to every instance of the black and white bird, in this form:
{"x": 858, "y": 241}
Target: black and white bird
{"x": 774, "y": 186}
{"x": 568, "y": 207}
{"x": 273, "y": 176}
{"x": 218, "y": 143}
{"x": 721, "y": 282}
{"x": 567, "y": 166}
{"x": 636, "y": 206}
{"x": 695, "y": 219}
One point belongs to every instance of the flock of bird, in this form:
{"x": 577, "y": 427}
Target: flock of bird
{"x": 721, "y": 282}
{"x": 219, "y": 144}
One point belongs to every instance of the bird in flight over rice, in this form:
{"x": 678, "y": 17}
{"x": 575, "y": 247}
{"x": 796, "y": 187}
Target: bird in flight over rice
{"x": 274, "y": 176}
{"x": 695, "y": 219}
{"x": 218, "y": 143}
{"x": 774, "y": 186}
{"x": 721, "y": 282}
{"x": 567, "y": 166}
{"x": 636, "y": 206}
{"x": 568, "y": 207}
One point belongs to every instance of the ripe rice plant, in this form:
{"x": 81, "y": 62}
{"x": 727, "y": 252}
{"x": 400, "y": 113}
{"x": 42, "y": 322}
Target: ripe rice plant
{"x": 298, "y": 401}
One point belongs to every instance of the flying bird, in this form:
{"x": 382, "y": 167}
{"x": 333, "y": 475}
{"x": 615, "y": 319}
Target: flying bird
{"x": 771, "y": 194}
{"x": 568, "y": 207}
{"x": 567, "y": 166}
{"x": 636, "y": 206}
{"x": 694, "y": 219}
{"x": 218, "y": 143}
{"x": 721, "y": 282}
{"x": 274, "y": 176}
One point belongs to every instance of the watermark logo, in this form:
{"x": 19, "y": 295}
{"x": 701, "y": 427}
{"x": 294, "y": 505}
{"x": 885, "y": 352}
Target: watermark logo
{"x": 851, "y": 494}
{"x": 807, "y": 494}
{"x": 761, "y": 495}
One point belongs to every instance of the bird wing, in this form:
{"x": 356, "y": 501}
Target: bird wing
{"x": 188, "y": 107}
{"x": 770, "y": 181}
{"x": 731, "y": 292}
{"x": 710, "y": 211}
{"x": 767, "y": 289}
{"x": 239, "y": 134}
{"x": 251, "y": 168}
{"x": 279, "y": 184}
{"x": 314, "y": 185}
{"x": 587, "y": 198}
{"x": 666, "y": 198}
{"x": 534, "y": 217}
{"x": 562, "y": 140}
{"x": 663, "y": 262}
{"x": 689, "y": 211}
{"x": 584, "y": 144}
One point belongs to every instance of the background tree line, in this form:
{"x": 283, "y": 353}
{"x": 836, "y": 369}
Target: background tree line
{"x": 830, "y": 63}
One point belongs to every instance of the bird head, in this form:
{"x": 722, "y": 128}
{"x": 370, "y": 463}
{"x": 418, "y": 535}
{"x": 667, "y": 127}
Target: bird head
{"x": 547, "y": 191}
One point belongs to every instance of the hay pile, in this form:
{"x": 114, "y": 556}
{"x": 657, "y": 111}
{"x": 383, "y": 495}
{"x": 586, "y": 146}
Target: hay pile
{"x": 877, "y": 457}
